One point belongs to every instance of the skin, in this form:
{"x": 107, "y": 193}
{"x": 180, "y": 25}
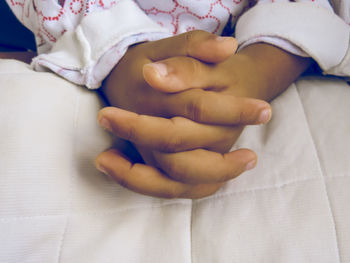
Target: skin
{"x": 259, "y": 71}
{"x": 206, "y": 108}
{"x": 176, "y": 153}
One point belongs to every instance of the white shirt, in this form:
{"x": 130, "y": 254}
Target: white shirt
{"x": 82, "y": 40}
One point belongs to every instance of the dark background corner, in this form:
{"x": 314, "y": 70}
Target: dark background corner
{"x": 13, "y": 35}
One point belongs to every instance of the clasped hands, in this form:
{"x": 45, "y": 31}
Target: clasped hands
{"x": 183, "y": 102}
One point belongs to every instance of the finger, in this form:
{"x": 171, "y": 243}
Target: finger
{"x": 166, "y": 135}
{"x": 148, "y": 180}
{"x": 215, "y": 108}
{"x": 181, "y": 73}
{"x": 198, "y": 44}
{"x": 205, "y": 167}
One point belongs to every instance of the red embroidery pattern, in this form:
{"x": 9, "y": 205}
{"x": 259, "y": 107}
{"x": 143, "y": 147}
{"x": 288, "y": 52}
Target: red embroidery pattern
{"x": 17, "y": 3}
{"x": 185, "y": 15}
{"x": 177, "y": 15}
{"x": 76, "y": 6}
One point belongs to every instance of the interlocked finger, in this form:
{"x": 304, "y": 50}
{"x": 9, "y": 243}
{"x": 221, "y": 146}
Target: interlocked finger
{"x": 216, "y": 108}
{"x": 148, "y": 180}
{"x": 180, "y": 73}
{"x": 166, "y": 135}
{"x": 205, "y": 167}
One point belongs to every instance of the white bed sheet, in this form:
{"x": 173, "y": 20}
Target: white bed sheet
{"x": 55, "y": 207}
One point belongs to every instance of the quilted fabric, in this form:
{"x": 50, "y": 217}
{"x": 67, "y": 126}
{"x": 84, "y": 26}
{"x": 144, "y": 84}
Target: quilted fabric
{"x": 55, "y": 207}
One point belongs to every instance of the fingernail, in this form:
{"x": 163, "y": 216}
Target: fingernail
{"x": 101, "y": 168}
{"x": 161, "y": 68}
{"x": 265, "y": 116}
{"x": 105, "y": 124}
{"x": 250, "y": 165}
{"x": 222, "y": 39}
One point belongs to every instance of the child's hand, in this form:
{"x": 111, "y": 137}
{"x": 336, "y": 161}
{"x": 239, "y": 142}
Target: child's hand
{"x": 188, "y": 173}
{"x": 126, "y": 88}
{"x": 150, "y": 135}
{"x": 259, "y": 71}
{"x": 253, "y": 79}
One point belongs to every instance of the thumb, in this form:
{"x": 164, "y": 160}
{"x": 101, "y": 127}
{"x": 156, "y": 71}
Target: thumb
{"x": 198, "y": 44}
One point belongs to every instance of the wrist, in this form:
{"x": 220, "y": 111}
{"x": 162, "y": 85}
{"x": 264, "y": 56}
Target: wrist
{"x": 274, "y": 69}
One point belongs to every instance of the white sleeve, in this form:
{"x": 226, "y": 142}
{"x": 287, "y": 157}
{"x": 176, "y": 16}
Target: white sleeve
{"x": 84, "y": 47}
{"x": 86, "y": 55}
{"x": 313, "y": 28}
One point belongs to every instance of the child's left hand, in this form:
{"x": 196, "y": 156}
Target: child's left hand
{"x": 259, "y": 71}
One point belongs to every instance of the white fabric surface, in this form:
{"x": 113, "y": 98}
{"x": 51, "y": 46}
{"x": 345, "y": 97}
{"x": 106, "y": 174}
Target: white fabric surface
{"x": 55, "y": 207}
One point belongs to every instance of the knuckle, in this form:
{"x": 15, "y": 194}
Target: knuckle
{"x": 195, "y": 109}
{"x": 195, "y": 68}
{"x": 173, "y": 141}
{"x": 196, "y": 34}
{"x": 191, "y": 38}
{"x": 131, "y": 134}
{"x": 173, "y": 144}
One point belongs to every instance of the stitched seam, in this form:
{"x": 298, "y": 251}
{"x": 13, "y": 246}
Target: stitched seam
{"x": 110, "y": 212}
{"x": 38, "y": 217}
{"x": 323, "y": 178}
{"x": 60, "y": 246}
{"x": 18, "y": 73}
{"x": 70, "y": 192}
{"x": 253, "y": 190}
{"x": 338, "y": 176}
{"x": 191, "y": 233}
{"x": 104, "y": 213}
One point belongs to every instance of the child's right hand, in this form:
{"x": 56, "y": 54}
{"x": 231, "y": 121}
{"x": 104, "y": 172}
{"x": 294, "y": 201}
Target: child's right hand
{"x": 126, "y": 88}
{"x": 193, "y": 173}
{"x": 184, "y": 148}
